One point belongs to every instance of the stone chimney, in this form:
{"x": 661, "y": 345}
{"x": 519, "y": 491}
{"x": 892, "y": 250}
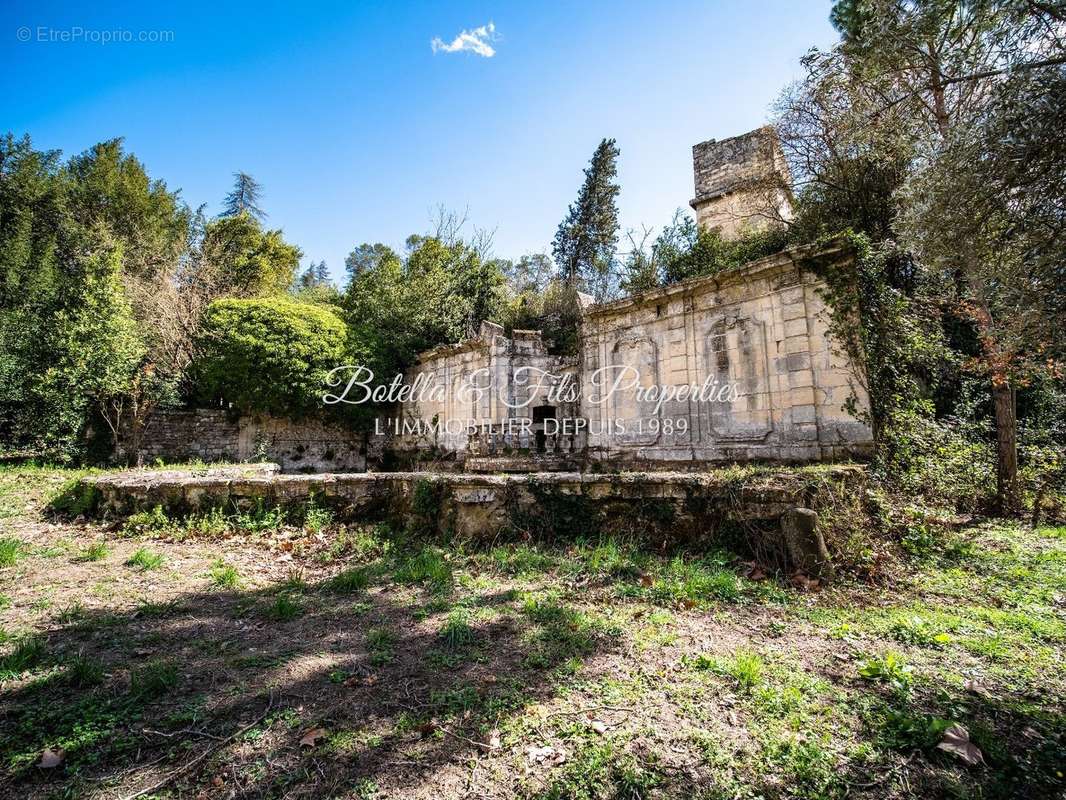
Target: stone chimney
{"x": 742, "y": 183}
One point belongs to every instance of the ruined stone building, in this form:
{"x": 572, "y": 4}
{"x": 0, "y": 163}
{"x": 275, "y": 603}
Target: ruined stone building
{"x": 504, "y": 403}
{"x": 761, "y": 329}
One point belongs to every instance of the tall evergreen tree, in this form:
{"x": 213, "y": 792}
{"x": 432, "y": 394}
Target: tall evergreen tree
{"x": 585, "y": 242}
{"x": 245, "y": 197}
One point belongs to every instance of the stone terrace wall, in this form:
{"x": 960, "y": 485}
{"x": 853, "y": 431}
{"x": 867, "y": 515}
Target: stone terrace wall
{"x": 683, "y": 507}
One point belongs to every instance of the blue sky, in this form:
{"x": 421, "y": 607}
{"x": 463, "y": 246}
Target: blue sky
{"x": 358, "y": 129}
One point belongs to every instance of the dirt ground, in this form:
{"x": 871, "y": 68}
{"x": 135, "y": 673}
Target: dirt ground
{"x": 252, "y": 657}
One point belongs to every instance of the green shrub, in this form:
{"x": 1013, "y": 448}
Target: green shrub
{"x": 268, "y": 354}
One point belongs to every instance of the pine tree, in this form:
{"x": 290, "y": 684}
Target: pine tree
{"x": 245, "y": 197}
{"x": 584, "y": 245}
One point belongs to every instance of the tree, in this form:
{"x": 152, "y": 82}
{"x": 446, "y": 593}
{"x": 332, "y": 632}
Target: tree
{"x": 315, "y": 276}
{"x": 585, "y": 242}
{"x": 246, "y": 260}
{"x": 946, "y": 63}
{"x": 244, "y": 198}
{"x": 439, "y": 293}
{"x": 366, "y": 257}
{"x": 268, "y": 355}
{"x": 110, "y": 188}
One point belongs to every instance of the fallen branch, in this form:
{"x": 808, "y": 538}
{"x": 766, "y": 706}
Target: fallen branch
{"x": 190, "y": 764}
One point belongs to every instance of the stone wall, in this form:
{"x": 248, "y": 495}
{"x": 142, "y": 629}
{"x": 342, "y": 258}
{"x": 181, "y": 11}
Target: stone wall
{"x": 758, "y": 505}
{"x": 212, "y": 435}
{"x": 177, "y": 436}
{"x": 763, "y": 327}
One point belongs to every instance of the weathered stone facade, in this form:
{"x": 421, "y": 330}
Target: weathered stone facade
{"x": 741, "y": 183}
{"x": 763, "y": 328}
{"x": 213, "y": 435}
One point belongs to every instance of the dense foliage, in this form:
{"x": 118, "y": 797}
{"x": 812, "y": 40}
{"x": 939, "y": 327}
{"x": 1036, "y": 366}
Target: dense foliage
{"x": 268, "y": 355}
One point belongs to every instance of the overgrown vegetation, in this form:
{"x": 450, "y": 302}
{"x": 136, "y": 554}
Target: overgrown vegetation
{"x": 566, "y": 668}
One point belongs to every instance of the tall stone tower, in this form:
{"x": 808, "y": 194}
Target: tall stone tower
{"x": 741, "y": 183}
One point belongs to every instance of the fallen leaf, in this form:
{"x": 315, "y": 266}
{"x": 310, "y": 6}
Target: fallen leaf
{"x": 494, "y": 740}
{"x": 50, "y": 759}
{"x": 957, "y": 742}
{"x": 428, "y": 728}
{"x": 313, "y": 737}
{"x": 688, "y": 604}
{"x": 545, "y": 755}
{"x": 598, "y": 726}
{"x": 646, "y": 580}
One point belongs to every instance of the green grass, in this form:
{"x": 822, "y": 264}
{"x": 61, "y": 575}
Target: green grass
{"x": 457, "y": 631}
{"x": 429, "y": 567}
{"x": 11, "y": 550}
{"x": 224, "y": 576}
{"x": 350, "y": 581}
{"x": 379, "y": 642}
{"x": 283, "y": 608}
{"x": 83, "y": 672}
{"x": 97, "y": 551}
{"x": 145, "y": 559}
{"x": 154, "y": 679}
{"x": 26, "y": 653}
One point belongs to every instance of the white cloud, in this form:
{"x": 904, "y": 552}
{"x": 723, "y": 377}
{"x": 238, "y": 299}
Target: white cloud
{"x": 475, "y": 41}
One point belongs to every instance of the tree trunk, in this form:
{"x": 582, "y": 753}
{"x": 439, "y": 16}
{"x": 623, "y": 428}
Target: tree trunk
{"x": 1006, "y": 448}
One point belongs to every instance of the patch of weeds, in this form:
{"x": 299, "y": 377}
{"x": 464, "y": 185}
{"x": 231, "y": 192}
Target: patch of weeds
{"x": 5, "y": 602}
{"x": 224, "y": 576}
{"x": 601, "y": 769}
{"x": 905, "y": 729}
{"x": 429, "y": 567}
{"x": 97, "y": 551}
{"x": 456, "y": 631}
{"x": 745, "y": 667}
{"x": 75, "y": 498}
{"x": 350, "y": 581}
{"x": 379, "y": 642}
{"x": 28, "y": 652}
{"x": 521, "y": 559}
{"x": 259, "y": 518}
{"x": 83, "y": 672}
{"x": 810, "y": 770}
{"x": 917, "y": 630}
{"x": 695, "y": 583}
{"x": 888, "y": 669}
{"x": 561, "y": 632}
{"x": 73, "y": 613}
{"x": 11, "y": 550}
{"x": 316, "y": 517}
{"x": 609, "y": 559}
{"x": 151, "y": 609}
{"x": 151, "y": 522}
{"x": 153, "y": 679}
{"x": 283, "y": 608}
{"x": 144, "y": 559}
{"x": 362, "y": 544}
{"x": 212, "y": 524}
